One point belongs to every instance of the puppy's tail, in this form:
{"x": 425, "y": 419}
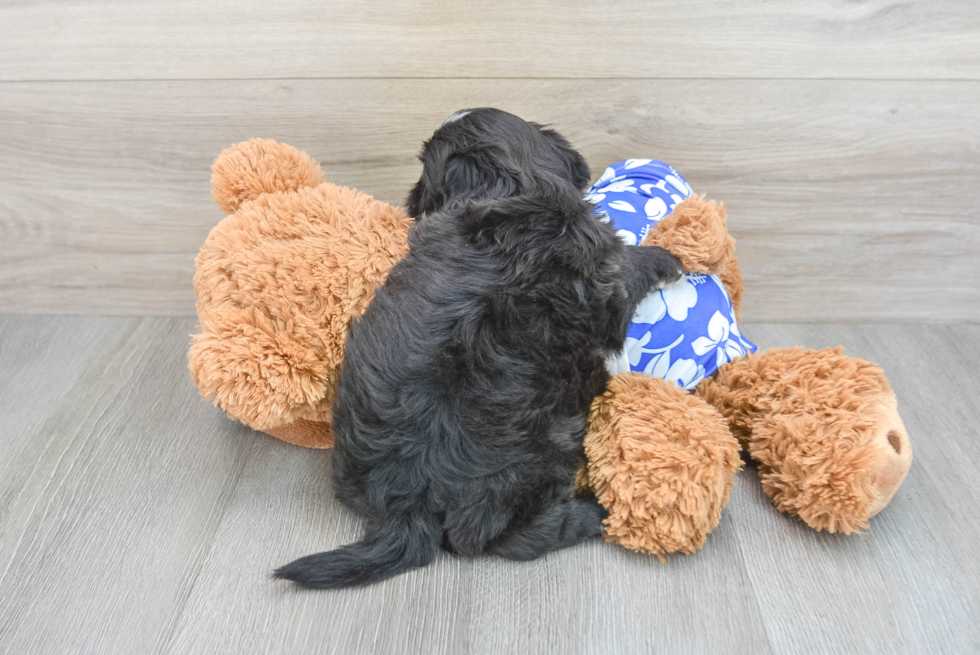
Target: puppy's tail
{"x": 396, "y": 547}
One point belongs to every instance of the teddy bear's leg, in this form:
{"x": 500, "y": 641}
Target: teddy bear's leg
{"x": 269, "y": 378}
{"x": 662, "y": 461}
{"x": 824, "y": 429}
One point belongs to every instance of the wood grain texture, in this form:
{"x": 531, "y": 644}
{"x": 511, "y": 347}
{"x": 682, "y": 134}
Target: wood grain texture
{"x": 113, "y": 479}
{"x": 183, "y": 39}
{"x": 135, "y": 518}
{"x": 851, "y": 201}
{"x": 910, "y": 584}
{"x": 593, "y": 598}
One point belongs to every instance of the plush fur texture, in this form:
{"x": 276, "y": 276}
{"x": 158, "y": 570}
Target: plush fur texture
{"x": 244, "y": 172}
{"x": 259, "y": 355}
{"x": 823, "y": 427}
{"x": 278, "y": 283}
{"x": 662, "y": 461}
{"x": 731, "y": 277}
{"x": 462, "y": 404}
{"x": 696, "y": 232}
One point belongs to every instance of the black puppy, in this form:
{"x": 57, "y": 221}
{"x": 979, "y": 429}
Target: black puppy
{"x": 461, "y": 408}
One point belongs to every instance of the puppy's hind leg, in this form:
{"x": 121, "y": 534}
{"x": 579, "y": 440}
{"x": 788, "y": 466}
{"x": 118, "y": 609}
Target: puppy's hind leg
{"x": 562, "y": 523}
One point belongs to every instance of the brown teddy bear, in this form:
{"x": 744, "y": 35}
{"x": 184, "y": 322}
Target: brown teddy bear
{"x": 280, "y": 279}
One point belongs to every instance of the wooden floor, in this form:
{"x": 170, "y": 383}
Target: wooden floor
{"x": 842, "y": 136}
{"x": 136, "y": 518}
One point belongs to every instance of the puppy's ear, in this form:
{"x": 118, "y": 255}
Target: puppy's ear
{"x": 480, "y": 176}
{"x": 581, "y": 175}
{"x": 418, "y": 200}
{"x": 577, "y": 168}
{"x": 462, "y": 176}
{"x": 427, "y": 194}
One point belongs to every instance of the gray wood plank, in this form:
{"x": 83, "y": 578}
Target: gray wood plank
{"x": 910, "y": 584}
{"x": 112, "y": 484}
{"x": 851, "y": 201}
{"x": 135, "y": 518}
{"x": 503, "y": 38}
{"x": 40, "y": 361}
{"x": 594, "y": 598}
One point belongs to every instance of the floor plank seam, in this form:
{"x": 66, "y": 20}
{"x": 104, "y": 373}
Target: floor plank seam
{"x": 491, "y": 78}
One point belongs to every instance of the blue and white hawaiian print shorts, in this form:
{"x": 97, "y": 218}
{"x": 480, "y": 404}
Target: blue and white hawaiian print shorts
{"x": 687, "y": 331}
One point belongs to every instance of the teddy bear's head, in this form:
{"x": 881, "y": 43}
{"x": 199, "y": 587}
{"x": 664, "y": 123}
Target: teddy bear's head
{"x": 824, "y": 429}
{"x": 279, "y": 281}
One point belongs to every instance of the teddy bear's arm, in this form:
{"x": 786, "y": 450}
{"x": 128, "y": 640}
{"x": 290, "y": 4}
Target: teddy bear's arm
{"x": 696, "y": 232}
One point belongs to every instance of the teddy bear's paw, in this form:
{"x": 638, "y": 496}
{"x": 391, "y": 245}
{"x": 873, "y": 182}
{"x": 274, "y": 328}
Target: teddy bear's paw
{"x": 260, "y": 370}
{"x": 662, "y": 461}
{"x": 696, "y": 233}
{"x": 246, "y": 170}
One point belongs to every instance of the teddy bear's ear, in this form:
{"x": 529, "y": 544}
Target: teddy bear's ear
{"x": 247, "y": 170}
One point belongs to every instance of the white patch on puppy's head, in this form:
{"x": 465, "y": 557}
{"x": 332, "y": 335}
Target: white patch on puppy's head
{"x": 456, "y": 116}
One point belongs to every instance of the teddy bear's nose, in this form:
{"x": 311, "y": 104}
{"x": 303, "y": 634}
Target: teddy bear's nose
{"x": 895, "y": 441}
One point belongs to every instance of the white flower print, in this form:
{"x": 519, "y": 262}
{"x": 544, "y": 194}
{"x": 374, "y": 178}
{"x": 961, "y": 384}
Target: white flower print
{"x": 627, "y": 237}
{"x": 703, "y": 326}
{"x": 659, "y": 364}
{"x": 619, "y": 186}
{"x": 679, "y": 298}
{"x": 680, "y": 185}
{"x": 655, "y": 209}
{"x": 686, "y": 373}
{"x": 622, "y": 206}
{"x": 674, "y": 300}
{"x": 651, "y": 309}
{"x": 731, "y": 314}
{"x": 719, "y": 330}
{"x": 745, "y": 344}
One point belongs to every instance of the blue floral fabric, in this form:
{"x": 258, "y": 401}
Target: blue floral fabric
{"x": 687, "y": 331}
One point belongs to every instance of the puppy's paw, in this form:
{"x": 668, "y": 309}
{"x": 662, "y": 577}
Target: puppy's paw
{"x": 662, "y": 267}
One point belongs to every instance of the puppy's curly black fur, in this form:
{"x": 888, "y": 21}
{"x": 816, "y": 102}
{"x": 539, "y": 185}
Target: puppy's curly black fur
{"x": 461, "y": 407}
